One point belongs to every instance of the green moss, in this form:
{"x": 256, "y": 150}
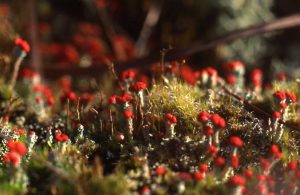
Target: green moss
{"x": 182, "y": 100}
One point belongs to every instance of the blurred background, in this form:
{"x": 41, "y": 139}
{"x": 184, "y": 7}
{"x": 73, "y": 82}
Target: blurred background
{"x": 73, "y": 34}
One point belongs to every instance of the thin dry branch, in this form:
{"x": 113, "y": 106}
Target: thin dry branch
{"x": 256, "y": 109}
{"x": 198, "y": 46}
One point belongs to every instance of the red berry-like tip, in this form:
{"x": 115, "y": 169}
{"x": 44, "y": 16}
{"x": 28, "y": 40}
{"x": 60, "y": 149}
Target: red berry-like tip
{"x": 10, "y": 144}
{"x": 171, "y": 118}
{"x": 112, "y": 99}
{"x": 229, "y": 66}
{"x": 211, "y": 71}
{"x": 5, "y": 118}
{"x": 215, "y": 119}
{"x": 160, "y": 171}
{"x": 248, "y": 173}
{"x": 31, "y": 133}
{"x": 219, "y": 161}
{"x": 274, "y": 150}
{"x": 265, "y": 164}
{"x": 283, "y": 105}
{"x": 138, "y": 86}
{"x": 125, "y": 98}
{"x": 128, "y": 114}
{"x": 276, "y": 114}
{"x": 222, "y": 123}
{"x": 39, "y": 100}
{"x": 236, "y": 141}
{"x": 144, "y": 190}
{"x": 262, "y": 189}
{"x": 212, "y": 149}
{"x": 237, "y": 180}
{"x": 280, "y": 95}
{"x": 291, "y": 96}
{"x": 12, "y": 157}
{"x": 278, "y": 155}
{"x": 127, "y": 74}
{"x": 22, "y": 44}
{"x": 292, "y": 166}
{"x": 203, "y": 167}
{"x": 256, "y": 79}
{"x": 198, "y": 176}
{"x": 208, "y": 131}
{"x": 204, "y": 117}
{"x": 261, "y": 177}
{"x": 230, "y": 79}
{"x": 234, "y": 162}
{"x": 20, "y": 148}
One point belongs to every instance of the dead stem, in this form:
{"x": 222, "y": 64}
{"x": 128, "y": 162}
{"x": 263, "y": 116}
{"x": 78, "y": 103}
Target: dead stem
{"x": 111, "y": 68}
{"x": 15, "y": 72}
{"x": 59, "y": 172}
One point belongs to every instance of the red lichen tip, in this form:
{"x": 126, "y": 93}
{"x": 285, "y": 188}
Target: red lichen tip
{"x": 61, "y": 137}
{"x": 261, "y": 177}
{"x": 292, "y": 166}
{"x": 208, "y": 131}
{"x": 198, "y": 176}
{"x": 160, "y": 170}
{"x": 236, "y": 141}
{"x": 229, "y": 66}
{"x": 212, "y": 149}
{"x": 217, "y": 120}
{"x": 22, "y": 44}
{"x": 234, "y": 162}
{"x": 231, "y": 79}
{"x": 265, "y": 164}
{"x": 204, "y": 117}
{"x": 128, "y": 114}
{"x": 237, "y": 180}
{"x": 276, "y": 115}
{"x": 128, "y": 74}
{"x": 112, "y": 99}
{"x": 39, "y": 100}
{"x": 31, "y": 133}
{"x": 6, "y": 118}
{"x": 138, "y": 86}
{"x": 170, "y": 118}
{"x": 256, "y": 77}
{"x": 211, "y": 71}
{"x": 219, "y": 161}
{"x": 12, "y": 157}
{"x": 274, "y": 150}
{"x": 280, "y": 95}
{"x": 248, "y": 173}
{"x": 16, "y": 146}
{"x": 203, "y": 168}
{"x": 291, "y": 96}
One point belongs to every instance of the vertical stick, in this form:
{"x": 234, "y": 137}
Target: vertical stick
{"x": 17, "y": 65}
{"x": 35, "y": 55}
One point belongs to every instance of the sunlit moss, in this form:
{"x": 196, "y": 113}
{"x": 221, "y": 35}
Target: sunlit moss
{"x": 180, "y": 99}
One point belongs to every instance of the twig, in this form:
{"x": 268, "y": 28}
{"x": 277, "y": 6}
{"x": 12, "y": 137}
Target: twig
{"x": 15, "y": 72}
{"x": 198, "y": 46}
{"x": 149, "y": 23}
{"x": 58, "y": 171}
{"x": 111, "y": 67}
{"x": 252, "y": 107}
